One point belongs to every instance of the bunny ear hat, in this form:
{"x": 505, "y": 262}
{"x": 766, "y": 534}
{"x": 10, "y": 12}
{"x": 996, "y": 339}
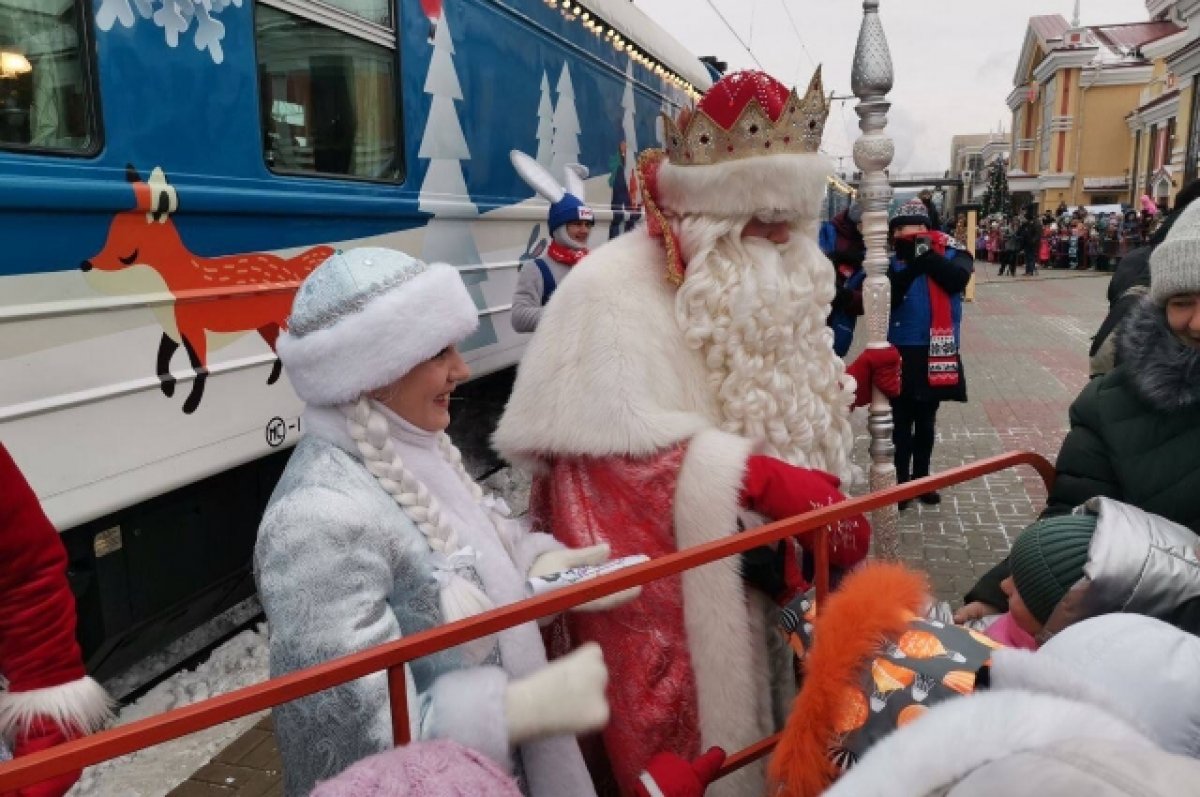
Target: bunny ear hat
{"x": 566, "y": 202}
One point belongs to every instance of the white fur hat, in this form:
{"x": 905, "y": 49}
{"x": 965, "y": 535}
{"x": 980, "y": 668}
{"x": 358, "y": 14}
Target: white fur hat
{"x": 366, "y": 317}
{"x": 750, "y": 147}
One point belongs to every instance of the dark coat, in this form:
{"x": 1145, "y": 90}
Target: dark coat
{"x": 1129, "y": 283}
{"x": 1135, "y": 435}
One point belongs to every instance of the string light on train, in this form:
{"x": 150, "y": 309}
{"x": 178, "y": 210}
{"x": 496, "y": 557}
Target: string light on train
{"x": 573, "y": 11}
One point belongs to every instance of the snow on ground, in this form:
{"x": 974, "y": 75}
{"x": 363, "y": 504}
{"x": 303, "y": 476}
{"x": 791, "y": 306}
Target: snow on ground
{"x": 153, "y": 772}
{"x": 188, "y": 645}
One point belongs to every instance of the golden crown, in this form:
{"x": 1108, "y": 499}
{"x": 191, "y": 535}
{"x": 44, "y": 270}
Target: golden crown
{"x": 795, "y": 128}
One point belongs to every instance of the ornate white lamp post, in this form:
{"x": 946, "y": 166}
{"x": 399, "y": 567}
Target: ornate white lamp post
{"x": 871, "y": 80}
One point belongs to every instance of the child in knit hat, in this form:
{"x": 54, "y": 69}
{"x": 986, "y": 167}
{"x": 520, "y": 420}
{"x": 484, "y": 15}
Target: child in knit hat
{"x": 1105, "y": 557}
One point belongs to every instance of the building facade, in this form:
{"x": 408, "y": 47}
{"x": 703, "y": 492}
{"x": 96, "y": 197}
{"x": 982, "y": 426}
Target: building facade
{"x": 970, "y": 157}
{"x": 1073, "y": 92}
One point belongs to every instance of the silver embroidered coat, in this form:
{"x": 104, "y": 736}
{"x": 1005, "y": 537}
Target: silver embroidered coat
{"x": 340, "y": 568}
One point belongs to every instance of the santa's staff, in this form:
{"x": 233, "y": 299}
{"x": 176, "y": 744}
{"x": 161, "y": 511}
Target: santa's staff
{"x": 871, "y": 80}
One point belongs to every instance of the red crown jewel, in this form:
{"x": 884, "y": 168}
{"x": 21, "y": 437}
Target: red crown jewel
{"x": 746, "y": 114}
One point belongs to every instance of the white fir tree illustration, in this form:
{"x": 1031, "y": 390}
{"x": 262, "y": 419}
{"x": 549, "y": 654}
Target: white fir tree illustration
{"x": 659, "y": 133}
{"x": 564, "y": 148}
{"x": 629, "y": 127}
{"x": 448, "y": 236}
{"x": 545, "y": 128}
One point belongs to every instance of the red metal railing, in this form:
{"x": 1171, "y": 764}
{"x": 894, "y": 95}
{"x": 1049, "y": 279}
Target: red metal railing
{"x": 392, "y": 657}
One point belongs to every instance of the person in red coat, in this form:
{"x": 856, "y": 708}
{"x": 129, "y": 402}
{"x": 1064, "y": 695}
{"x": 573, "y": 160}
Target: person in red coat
{"x": 48, "y": 698}
{"x": 682, "y": 378}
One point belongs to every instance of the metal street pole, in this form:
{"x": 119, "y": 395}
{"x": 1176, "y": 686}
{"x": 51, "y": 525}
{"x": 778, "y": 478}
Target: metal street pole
{"x": 871, "y": 80}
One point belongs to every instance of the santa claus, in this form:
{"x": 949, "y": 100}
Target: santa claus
{"x": 48, "y": 698}
{"x": 685, "y": 373}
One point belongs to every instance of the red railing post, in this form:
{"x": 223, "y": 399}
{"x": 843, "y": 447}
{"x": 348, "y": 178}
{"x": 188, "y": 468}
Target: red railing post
{"x": 398, "y": 699}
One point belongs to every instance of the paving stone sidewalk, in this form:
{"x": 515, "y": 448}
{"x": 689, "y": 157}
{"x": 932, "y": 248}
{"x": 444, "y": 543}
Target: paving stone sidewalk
{"x": 1025, "y": 344}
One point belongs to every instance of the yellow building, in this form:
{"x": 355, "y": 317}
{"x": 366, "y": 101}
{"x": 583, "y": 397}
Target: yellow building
{"x": 1164, "y": 127}
{"x": 1073, "y": 90}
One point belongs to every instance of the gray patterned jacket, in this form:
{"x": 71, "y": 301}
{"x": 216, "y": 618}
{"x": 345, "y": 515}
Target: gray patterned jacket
{"x": 340, "y": 568}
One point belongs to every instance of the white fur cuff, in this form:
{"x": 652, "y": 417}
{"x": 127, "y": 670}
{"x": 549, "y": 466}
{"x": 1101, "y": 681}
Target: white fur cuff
{"x": 80, "y": 706}
{"x": 792, "y": 183}
{"x": 386, "y": 339}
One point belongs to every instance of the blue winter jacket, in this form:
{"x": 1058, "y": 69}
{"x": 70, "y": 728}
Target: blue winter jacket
{"x": 912, "y": 315}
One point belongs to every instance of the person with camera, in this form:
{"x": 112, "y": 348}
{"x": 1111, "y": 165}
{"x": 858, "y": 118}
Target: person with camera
{"x": 928, "y": 273}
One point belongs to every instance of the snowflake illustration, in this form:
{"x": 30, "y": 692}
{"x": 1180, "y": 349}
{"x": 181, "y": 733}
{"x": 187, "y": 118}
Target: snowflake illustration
{"x": 175, "y": 17}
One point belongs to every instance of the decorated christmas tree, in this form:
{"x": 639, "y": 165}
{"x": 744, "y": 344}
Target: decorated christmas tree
{"x": 997, "y": 199}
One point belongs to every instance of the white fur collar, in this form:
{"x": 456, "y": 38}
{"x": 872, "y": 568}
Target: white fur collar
{"x": 607, "y": 373}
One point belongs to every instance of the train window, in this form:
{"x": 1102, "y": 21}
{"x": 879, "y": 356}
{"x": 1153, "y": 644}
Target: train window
{"x": 377, "y": 11}
{"x": 328, "y": 99}
{"x": 46, "y": 98}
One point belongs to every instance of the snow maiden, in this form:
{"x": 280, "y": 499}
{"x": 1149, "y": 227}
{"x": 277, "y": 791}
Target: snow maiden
{"x": 376, "y": 531}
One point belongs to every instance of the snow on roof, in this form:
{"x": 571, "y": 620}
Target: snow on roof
{"x": 634, "y": 25}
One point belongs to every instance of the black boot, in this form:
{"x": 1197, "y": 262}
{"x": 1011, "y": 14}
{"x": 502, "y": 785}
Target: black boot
{"x": 932, "y": 498}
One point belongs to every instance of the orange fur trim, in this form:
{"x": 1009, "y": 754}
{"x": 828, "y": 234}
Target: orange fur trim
{"x": 874, "y": 603}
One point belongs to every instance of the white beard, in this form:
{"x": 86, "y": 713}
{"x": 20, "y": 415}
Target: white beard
{"x": 757, "y": 313}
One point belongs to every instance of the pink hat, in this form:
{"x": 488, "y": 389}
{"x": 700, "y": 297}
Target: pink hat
{"x": 424, "y": 769}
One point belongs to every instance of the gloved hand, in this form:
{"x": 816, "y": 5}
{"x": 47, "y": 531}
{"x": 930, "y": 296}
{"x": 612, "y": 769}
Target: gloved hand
{"x": 564, "y": 697}
{"x": 668, "y": 775}
{"x": 774, "y": 571}
{"x": 875, "y": 367}
{"x": 42, "y": 733}
{"x": 567, "y": 558}
{"x": 778, "y": 490}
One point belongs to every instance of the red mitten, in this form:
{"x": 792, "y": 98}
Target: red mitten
{"x": 778, "y": 490}
{"x": 875, "y": 367}
{"x": 668, "y": 775}
{"x": 42, "y": 734}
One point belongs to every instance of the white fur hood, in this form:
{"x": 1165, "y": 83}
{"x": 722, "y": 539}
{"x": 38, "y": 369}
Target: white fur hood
{"x": 608, "y": 373}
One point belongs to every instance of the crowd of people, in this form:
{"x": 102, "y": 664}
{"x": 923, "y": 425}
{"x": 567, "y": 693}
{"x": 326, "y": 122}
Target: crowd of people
{"x": 1066, "y": 238}
{"x": 686, "y": 381}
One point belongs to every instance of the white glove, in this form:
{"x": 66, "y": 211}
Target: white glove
{"x": 564, "y": 697}
{"x": 566, "y": 558}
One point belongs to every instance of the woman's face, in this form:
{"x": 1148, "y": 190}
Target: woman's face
{"x": 1183, "y": 317}
{"x": 1017, "y": 608}
{"x": 422, "y": 396}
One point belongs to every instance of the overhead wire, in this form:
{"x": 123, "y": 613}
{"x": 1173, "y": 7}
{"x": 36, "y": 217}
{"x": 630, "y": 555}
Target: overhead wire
{"x": 799, "y": 38}
{"x": 742, "y": 42}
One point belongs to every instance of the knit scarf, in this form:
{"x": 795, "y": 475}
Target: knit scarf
{"x": 565, "y": 254}
{"x": 943, "y": 351}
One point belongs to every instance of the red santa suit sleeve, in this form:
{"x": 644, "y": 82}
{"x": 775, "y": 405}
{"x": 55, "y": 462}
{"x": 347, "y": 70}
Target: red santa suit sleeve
{"x": 49, "y": 697}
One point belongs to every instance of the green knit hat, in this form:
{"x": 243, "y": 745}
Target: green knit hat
{"x": 1048, "y": 558}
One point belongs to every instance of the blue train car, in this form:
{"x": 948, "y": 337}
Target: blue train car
{"x": 170, "y": 170}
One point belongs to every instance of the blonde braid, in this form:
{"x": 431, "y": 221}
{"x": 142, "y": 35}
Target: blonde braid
{"x": 459, "y": 597}
{"x": 369, "y": 429}
{"x": 454, "y": 457}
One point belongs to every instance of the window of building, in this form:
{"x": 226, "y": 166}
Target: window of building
{"x": 1047, "y": 118}
{"x": 1193, "y": 147}
{"x": 47, "y": 100}
{"x": 328, "y": 97}
{"x": 1155, "y": 147}
{"x": 1170, "y": 145}
{"x": 1137, "y": 165}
